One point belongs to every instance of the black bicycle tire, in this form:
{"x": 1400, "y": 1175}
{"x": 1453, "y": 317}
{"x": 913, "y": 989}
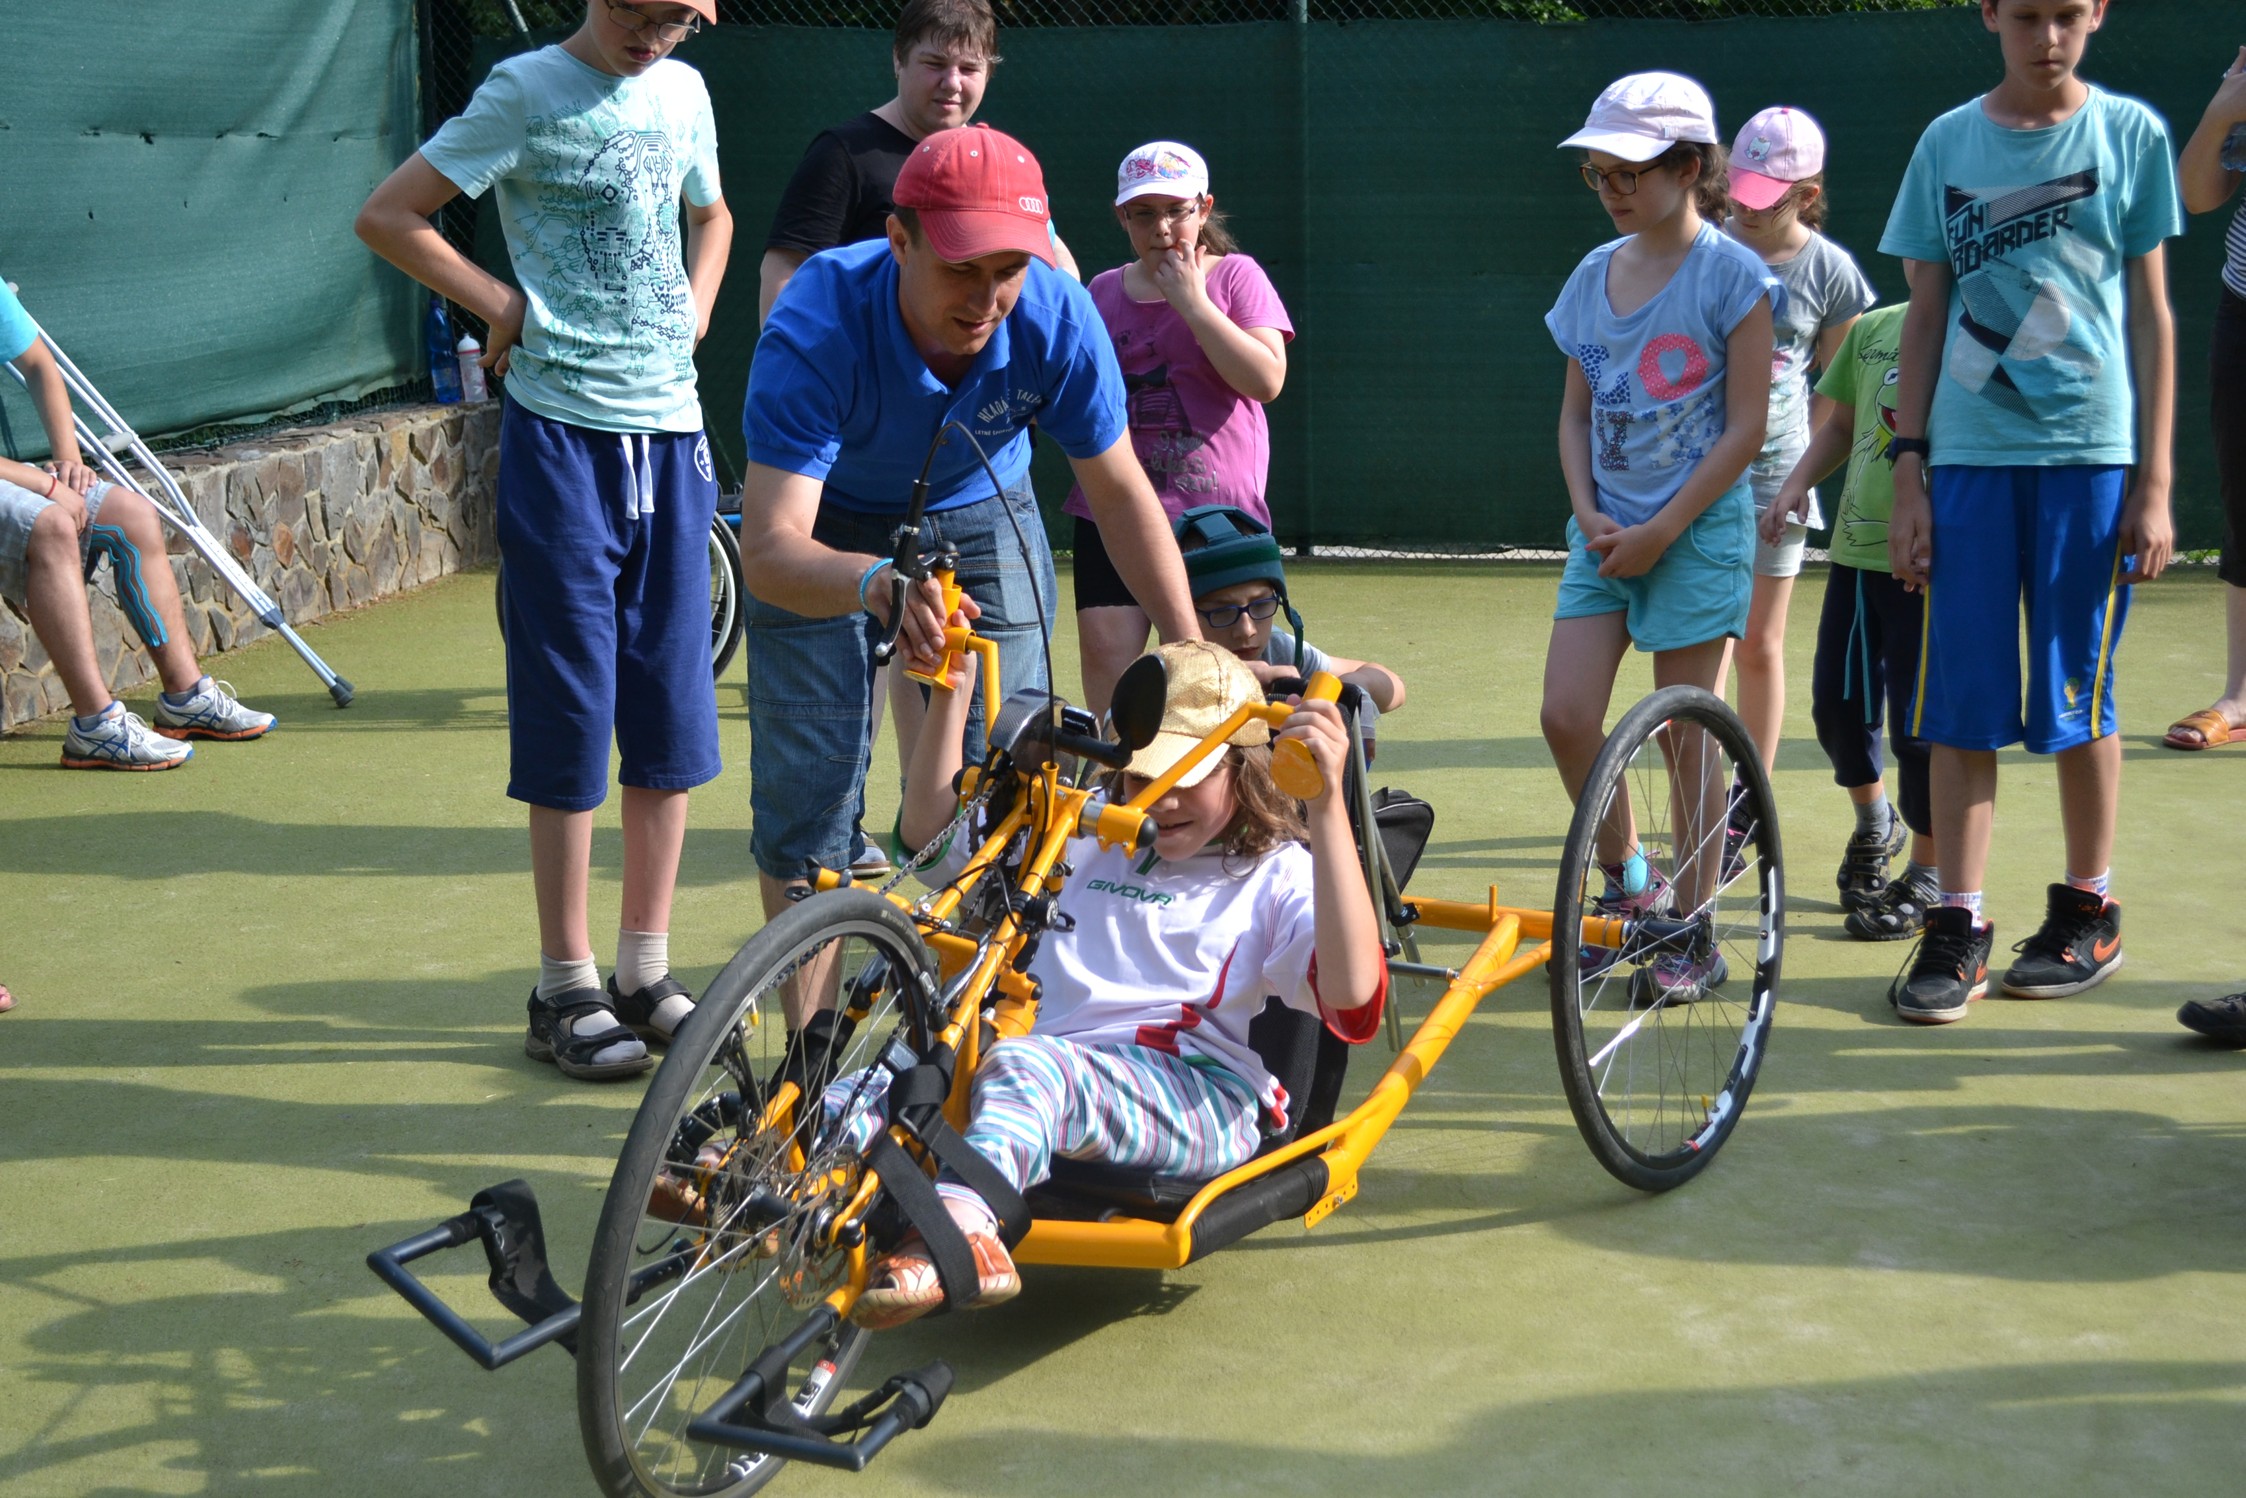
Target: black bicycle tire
{"x": 725, "y": 642}
{"x": 607, "y": 1447}
{"x": 1626, "y": 1163}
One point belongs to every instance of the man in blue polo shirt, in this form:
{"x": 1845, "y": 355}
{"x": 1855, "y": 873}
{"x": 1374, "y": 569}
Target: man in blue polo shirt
{"x": 873, "y": 349}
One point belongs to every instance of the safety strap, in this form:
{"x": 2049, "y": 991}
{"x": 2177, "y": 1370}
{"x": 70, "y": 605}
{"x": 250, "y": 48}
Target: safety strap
{"x": 516, "y": 1246}
{"x": 916, "y": 1099}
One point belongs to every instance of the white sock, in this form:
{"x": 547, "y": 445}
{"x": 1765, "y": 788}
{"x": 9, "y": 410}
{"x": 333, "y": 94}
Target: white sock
{"x": 558, "y": 975}
{"x": 642, "y": 957}
{"x": 2098, "y": 885}
{"x": 1968, "y": 899}
{"x": 181, "y": 699}
{"x": 969, "y": 1211}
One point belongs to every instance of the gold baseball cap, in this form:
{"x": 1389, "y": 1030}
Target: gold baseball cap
{"x": 1208, "y": 684}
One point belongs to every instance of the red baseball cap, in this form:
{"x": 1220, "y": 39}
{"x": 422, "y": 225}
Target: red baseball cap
{"x": 978, "y": 192}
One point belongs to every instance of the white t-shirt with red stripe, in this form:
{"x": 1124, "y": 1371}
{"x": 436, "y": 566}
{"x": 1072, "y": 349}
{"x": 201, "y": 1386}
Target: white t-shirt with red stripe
{"x": 1179, "y": 957}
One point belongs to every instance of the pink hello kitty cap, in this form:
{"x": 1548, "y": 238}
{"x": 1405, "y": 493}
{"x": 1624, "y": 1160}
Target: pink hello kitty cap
{"x": 1775, "y": 149}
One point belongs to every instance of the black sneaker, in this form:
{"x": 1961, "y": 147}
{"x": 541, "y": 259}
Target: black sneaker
{"x": 1899, "y": 911}
{"x": 1863, "y": 865}
{"x": 2222, "y": 1019}
{"x": 1948, "y": 970}
{"x": 2077, "y": 947}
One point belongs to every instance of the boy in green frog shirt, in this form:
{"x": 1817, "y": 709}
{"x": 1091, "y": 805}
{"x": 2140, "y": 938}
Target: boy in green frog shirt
{"x": 1867, "y": 637}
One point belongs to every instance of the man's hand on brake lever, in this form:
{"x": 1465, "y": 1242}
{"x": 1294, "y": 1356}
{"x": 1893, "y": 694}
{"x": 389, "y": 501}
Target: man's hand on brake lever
{"x": 920, "y": 644}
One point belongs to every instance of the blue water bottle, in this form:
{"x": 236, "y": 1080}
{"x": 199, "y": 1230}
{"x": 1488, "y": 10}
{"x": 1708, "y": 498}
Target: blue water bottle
{"x": 444, "y": 366}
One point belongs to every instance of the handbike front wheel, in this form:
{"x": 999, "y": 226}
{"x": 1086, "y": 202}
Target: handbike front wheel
{"x": 726, "y": 1193}
{"x": 1661, "y": 1034}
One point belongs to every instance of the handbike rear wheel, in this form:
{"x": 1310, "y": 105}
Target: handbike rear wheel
{"x": 1660, "y": 1039}
{"x": 734, "y": 1200}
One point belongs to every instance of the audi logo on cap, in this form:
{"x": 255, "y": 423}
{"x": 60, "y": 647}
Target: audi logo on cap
{"x": 1031, "y": 205}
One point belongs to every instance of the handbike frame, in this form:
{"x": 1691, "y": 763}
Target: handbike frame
{"x": 1050, "y": 811}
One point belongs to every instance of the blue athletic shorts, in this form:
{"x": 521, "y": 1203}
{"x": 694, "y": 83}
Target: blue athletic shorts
{"x": 1697, "y": 592}
{"x": 811, "y": 680}
{"x": 605, "y": 538}
{"x": 2048, "y": 538}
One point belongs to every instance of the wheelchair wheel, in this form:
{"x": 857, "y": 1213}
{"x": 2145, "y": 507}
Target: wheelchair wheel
{"x": 1661, "y": 1037}
{"x": 730, "y": 1190}
{"x": 726, "y": 619}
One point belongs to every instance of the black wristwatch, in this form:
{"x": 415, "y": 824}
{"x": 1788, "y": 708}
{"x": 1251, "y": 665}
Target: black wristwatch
{"x": 1898, "y": 446}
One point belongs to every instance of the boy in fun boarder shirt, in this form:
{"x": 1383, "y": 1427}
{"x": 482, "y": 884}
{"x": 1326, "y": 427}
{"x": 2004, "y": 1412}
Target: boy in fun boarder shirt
{"x": 606, "y": 493}
{"x": 2038, "y": 365}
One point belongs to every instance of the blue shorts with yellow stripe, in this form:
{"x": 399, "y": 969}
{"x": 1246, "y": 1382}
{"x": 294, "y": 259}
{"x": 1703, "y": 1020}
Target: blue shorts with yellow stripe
{"x": 2049, "y": 540}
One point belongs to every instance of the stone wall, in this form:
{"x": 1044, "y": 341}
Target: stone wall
{"x": 325, "y": 518}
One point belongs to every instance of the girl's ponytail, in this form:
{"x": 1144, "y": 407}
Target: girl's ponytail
{"x": 1711, "y": 190}
{"x": 1217, "y": 235}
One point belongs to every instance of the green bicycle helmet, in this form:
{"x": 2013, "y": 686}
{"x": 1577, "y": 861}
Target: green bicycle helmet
{"x": 1224, "y": 547}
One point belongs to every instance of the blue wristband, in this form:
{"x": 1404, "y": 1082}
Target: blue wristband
{"x": 863, "y": 581}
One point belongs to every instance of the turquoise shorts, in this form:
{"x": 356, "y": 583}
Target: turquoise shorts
{"x": 1697, "y": 592}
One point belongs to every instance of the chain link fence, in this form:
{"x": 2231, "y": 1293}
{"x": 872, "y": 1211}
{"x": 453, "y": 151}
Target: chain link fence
{"x": 1391, "y": 163}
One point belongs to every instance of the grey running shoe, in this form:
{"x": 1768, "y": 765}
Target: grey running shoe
{"x": 1592, "y": 961}
{"x": 121, "y": 741}
{"x": 211, "y": 712}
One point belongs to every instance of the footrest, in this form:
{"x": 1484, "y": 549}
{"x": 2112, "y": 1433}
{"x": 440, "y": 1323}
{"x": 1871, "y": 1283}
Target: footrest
{"x": 754, "y": 1415}
{"x": 505, "y": 1218}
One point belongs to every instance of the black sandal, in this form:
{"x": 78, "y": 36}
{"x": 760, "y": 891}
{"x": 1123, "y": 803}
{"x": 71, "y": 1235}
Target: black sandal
{"x": 552, "y": 1037}
{"x": 638, "y": 1010}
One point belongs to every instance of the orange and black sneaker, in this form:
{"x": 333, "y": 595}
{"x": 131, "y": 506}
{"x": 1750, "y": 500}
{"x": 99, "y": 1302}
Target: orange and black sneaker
{"x": 1948, "y": 969}
{"x": 2077, "y": 946}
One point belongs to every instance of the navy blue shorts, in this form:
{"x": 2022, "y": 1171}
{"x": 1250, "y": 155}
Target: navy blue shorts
{"x": 2048, "y": 539}
{"x": 605, "y": 538}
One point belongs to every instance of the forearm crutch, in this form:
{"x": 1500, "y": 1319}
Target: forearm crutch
{"x": 173, "y": 506}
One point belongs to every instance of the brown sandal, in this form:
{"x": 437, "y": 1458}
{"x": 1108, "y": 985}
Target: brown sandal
{"x": 2211, "y": 728}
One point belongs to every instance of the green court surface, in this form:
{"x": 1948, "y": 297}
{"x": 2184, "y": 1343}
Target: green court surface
{"x": 270, "y": 1016}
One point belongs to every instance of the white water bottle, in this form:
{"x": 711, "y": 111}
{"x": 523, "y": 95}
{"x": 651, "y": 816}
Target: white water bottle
{"x": 470, "y": 353}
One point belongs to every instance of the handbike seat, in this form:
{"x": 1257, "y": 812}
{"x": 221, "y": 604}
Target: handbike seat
{"x": 1295, "y": 1047}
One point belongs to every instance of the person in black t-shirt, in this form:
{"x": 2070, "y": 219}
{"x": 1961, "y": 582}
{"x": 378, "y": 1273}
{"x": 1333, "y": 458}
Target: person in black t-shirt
{"x": 943, "y": 56}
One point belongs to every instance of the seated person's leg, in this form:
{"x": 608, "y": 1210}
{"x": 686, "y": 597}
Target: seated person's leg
{"x": 42, "y": 569}
{"x": 1036, "y": 1097}
{"x": 126, "y": 528}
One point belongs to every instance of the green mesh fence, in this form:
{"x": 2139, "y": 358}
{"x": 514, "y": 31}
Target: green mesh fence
{"x": 179, "y": 194}
{"x": 1392, "y": 163}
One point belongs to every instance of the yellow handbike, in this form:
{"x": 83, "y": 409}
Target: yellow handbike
{"x": 714, "y": 1343}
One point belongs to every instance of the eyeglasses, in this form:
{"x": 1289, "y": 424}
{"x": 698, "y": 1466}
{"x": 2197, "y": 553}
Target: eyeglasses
{"x": 665, "y": 31}
{"x": 1225, "y": 615}
{"x": 1147, "y": 218}
{"x": 1624, "y": 180}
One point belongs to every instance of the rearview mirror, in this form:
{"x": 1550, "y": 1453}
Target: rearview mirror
{"x": 1140, "y": 695}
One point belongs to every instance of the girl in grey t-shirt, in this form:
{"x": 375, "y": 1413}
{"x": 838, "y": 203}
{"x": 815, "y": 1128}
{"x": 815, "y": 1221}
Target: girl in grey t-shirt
{"x": 1777, "y": 205}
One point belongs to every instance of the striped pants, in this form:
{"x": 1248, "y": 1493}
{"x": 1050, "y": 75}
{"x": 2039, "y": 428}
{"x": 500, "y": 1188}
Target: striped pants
{"x": 1037, "y": 1097}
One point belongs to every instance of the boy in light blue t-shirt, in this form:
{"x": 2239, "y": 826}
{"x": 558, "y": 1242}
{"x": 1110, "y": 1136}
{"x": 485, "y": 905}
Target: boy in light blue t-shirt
{"x": 606, "y": 492}
{"x": 2037, "y": 367}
